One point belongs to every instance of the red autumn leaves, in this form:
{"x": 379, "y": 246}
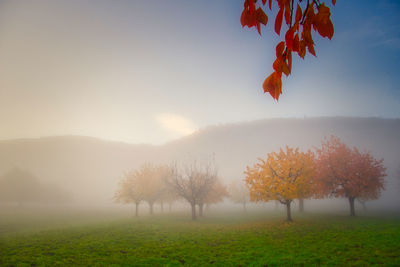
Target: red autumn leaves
{"x": 298, "y": 37}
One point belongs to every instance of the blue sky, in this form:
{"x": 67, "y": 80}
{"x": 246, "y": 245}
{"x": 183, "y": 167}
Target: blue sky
{"x": 150, "y": 71}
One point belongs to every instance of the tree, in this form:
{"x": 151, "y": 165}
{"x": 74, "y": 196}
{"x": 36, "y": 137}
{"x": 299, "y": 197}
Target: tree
{"x": 145, "y": 184}
{"x": 346, "y": 172}
{"x": 239, "y": 193}
{"x": 283, "y": 176}
{"x": 193, "y": 183}
{"x": 309, "y": 15}
{"x": 152, "y": 180}
{"x": 130, "y": 190}
{"x": 168, "y": 195}
{"x": 216, "y": 194}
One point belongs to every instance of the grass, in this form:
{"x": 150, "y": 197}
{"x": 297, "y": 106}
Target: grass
{"x": 229, "y": 239}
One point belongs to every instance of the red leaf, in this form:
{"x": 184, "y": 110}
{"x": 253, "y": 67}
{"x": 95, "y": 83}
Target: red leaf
{"x": 289, "y": 58}
{"x": 277, "y": 65}
{"x": 311, "y": 50}
{"x": 287, "y": 12}
{"x": 252, "y": 7}
{"x": 285, "y": 69}
{"x": 270, "y": 4}
{"x": 261, "y": 16}
{"x": 278, "y": 21}
{"x": 302, "y": 49}
{"x": 279, "y": 49}
{"x": 264, "y": 2}
{"x": 334, "y": 2}
{"x": 289, "y": 38}
{"x": 296, "y": 43}
{"x": 299, "y": 13}
{"x": 243, "y": 18}
{"x": 273, "y": 85}
{"x": 322, "y": 22}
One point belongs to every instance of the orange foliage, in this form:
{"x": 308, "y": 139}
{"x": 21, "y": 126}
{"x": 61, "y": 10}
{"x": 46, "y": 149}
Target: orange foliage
{"x": 145, "y": 184}
{"x": 217, "y": 193}
{"x": 298, "y": 37}
{"x": 150, "y": 178}
{"x": 283, "y": 176}
{"x": 129, "y": 189}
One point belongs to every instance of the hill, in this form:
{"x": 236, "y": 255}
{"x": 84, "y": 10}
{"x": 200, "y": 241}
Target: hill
{"x": 89, "y": 168}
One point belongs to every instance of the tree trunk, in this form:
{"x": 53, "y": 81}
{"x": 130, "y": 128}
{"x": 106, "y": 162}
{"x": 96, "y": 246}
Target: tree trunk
{"x": 244, "y": 207}
{"x": 352, "y": 210}
{"x": 301, "y": 205}
{"x": 201, "y": 210}
{"x": 193, "y": 211}
{"x": 162, "y": 207}
{"x": 289, "y": 215}
{"x": 170, "y": 206}
{"x": 137, "y": 209}
{"x": 151, "y": 208}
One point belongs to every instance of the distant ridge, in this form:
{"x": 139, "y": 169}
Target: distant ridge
{"x": 90, "y": 167}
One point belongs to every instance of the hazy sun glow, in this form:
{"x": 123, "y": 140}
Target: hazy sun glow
{"x": 177, "y": 124}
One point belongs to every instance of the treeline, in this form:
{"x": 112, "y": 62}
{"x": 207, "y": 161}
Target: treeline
{"x": 333, "y": 170}
{"x": 197, "y": 184}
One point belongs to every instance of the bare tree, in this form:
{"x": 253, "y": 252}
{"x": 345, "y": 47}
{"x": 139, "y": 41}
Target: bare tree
{"x": 193, "y": 183}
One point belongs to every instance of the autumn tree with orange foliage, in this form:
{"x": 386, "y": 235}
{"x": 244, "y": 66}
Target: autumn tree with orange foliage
{"x": 300, "y": 20}
{"x": 346, "y": 172}
{"x": 130, "y": 190}
{"x": 283, "y": 176}
{"x": 150, "y": 178}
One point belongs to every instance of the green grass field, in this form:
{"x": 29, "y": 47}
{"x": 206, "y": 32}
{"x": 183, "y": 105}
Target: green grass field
{"x": 229, "y": 239}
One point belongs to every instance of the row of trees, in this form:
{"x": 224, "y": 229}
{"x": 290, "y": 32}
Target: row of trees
{"x": 197, "y": 184}
{"x": 145, "y": 185}
{"x": 334, "y": 170}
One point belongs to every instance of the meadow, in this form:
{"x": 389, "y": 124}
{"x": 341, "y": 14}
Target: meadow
{"x": 257, "y": 238}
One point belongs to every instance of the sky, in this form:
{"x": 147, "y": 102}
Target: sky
{"x": 151, "y": 71}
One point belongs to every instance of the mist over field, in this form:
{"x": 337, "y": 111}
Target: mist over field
{"x": 199, "y": 133}
{"x": 88, "y": 169}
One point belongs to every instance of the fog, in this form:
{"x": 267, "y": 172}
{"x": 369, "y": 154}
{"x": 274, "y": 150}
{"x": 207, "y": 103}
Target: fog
{"x": 152, "y": 133}
{"x": 77, "y": 171}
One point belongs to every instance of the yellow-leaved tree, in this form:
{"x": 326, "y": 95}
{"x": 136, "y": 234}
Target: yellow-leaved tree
{"x": 283, "y": 176}
{"x": 152, "y": 179}
{"x": 130, "y": 190}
